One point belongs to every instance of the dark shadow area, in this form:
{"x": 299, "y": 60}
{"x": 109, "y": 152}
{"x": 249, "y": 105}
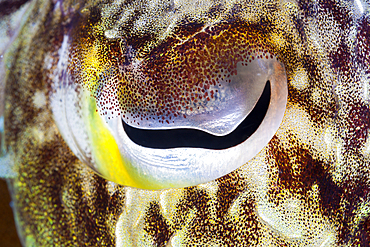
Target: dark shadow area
{"x": 8, "y": 232}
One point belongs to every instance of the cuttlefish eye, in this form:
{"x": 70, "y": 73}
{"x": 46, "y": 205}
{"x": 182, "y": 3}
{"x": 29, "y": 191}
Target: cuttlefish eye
{"x": 180, "y": 112}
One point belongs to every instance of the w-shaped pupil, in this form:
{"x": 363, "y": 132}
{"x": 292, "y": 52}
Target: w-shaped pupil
{"x": 176, "y": 138}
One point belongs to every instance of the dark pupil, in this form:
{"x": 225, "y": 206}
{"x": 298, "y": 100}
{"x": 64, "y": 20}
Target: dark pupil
{"x": 176, "y": 138}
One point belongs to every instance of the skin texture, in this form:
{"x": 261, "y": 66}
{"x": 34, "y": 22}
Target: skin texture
{"x": 308, "y": 186}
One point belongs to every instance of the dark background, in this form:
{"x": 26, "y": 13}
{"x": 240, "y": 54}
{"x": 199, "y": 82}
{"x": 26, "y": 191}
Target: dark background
{"x": 8, "y": 233}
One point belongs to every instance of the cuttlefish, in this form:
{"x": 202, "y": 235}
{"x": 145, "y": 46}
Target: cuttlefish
{"x": 186, "y": 123}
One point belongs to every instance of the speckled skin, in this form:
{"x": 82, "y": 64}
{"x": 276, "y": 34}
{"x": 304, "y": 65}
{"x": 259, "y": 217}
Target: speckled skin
{"x": 308, "y": 187}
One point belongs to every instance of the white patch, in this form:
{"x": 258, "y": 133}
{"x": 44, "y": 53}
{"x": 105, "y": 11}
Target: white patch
{"x": 324, "y": 32}
{"x": 297, "y": 120}
{"x": 359, "y": 6}
{"x": 122, "y": 234}
{"x": 38, "y": 134}
{"x": 130, "y": 224}
{"x": 111, "y": 187}
{"x": 48, "y": 61}
{"x": 300, "y": 79}
{"x": 366, "y": 148}
{"x": 366, "y": 88}
{"x": 39, "y": 99}
{"x": 111, "y": 34}
{"x": 329, "y": 138}
{"x": 238, "y": 205}
{"x": 296, "y": 220}
{"x": 330, "y": 240}
{"x": 282, "y": 218}
{"x": 168, "y": 202}
{"x": 256, "y": 173}
{"x": 339, "y": 166}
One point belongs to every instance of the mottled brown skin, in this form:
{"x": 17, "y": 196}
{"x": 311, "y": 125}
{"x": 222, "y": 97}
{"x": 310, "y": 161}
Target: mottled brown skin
{"x": 318, "y": 157}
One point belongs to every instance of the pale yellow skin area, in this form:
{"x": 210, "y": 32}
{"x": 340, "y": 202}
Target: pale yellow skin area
{"x": 59, "y": 201}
